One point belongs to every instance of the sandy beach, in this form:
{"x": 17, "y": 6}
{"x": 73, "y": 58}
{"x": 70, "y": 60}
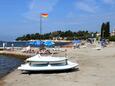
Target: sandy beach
{"x": 96, "y": 68}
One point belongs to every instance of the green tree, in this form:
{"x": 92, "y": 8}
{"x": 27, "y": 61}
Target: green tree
{"x": 105, "y": 30}
{"x": 102, "y": 30}
{"x": 108, "y": 29}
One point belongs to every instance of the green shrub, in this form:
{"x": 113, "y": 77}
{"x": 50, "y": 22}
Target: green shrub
{"x": 112, "y": 38}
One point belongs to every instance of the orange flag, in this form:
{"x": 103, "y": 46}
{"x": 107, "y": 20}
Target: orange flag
{"x": 45, "y": 15}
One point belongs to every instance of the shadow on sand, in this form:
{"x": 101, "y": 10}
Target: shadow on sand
{"x": 50, "y": 72}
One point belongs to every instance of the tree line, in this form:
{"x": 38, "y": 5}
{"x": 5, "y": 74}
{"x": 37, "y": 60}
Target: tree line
{"x": 67, "y": 35}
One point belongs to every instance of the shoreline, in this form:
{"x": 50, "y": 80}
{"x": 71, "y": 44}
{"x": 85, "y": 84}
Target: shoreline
{"x": 19, "y": 55}
{"x": 1, "y": 82}
{"x": 15, "y": 54}
{"x": 49, "y": 39}
{"x": 96, "y": 67}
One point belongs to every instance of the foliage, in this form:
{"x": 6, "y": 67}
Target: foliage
{"x": 105, "y": 30}
{"x": 112, "y": 38}
{"x": 69, "y": 35}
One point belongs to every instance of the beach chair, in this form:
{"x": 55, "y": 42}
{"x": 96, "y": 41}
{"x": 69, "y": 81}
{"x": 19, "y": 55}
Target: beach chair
{"x": 26, "y": 49}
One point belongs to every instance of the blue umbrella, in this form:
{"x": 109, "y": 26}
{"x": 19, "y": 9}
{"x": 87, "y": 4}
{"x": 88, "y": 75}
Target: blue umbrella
{"x": 76, "y": 41}
{"x": 36, "y": 43}
{"x": 49, "y": 43}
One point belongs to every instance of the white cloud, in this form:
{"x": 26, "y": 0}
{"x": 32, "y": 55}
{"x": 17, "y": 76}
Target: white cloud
{"x": 39, "y": 6}
{"x": 43, "y": 5}
{"x": 71, "y": 15}
{"x": 87, "y": 6}
{"x": 108, "y": 1}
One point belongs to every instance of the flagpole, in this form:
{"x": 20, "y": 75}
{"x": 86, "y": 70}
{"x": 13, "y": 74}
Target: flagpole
{"x": 40, "y": 24}
{"x": 41, "y": 16}
{"x": 40, "y": 30}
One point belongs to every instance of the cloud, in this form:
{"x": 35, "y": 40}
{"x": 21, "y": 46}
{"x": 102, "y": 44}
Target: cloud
{"x": 76, "y": 16}
{"x": 108, "y": 1}
{"x": 43, "y": 5}
{"x": 86, "y": 6}
{"x": 39, "y": 6}
{"x": 71, "y": 14}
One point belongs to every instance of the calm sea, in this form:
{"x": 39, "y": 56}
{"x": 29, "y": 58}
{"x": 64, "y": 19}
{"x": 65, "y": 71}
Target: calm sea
{"x": 8, "y": 64}
{"x": 24, "y": 44}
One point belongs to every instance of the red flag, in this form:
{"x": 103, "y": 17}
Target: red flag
{"x": 45, "y": 15}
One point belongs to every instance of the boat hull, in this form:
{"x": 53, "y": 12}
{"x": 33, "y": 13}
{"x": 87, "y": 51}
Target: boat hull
{"x": 27, "y": 67}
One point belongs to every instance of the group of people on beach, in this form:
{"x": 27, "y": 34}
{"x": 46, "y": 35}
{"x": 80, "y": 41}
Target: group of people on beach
{"x": 37, "y": 51}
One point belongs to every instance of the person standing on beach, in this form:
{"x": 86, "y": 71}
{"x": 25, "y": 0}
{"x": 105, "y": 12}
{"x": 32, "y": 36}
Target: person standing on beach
{"x": 12, "y": 46}
{"x": 3, "y": 45}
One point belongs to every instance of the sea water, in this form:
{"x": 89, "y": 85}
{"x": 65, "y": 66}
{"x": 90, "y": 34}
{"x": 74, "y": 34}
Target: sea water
{"x": 25, "y": 44}
{"x": 8, "y": 64}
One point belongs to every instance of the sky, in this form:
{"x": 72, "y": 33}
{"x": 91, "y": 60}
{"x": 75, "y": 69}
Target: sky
{"x": 20, "y": 17}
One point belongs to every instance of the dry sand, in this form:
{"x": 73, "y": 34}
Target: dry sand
{"x": 96, "y": 69}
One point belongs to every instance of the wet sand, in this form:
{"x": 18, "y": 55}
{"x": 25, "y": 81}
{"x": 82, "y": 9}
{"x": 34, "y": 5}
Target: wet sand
{"x": 96, "y": 69}
{"x": 0, "y": 83}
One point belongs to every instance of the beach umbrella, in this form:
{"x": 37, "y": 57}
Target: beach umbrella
{"x": 31, "y": 43}
{"x": 36, "y": 43}
{"x": 49, "y": 43}
{"x": 76, "y": 41}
